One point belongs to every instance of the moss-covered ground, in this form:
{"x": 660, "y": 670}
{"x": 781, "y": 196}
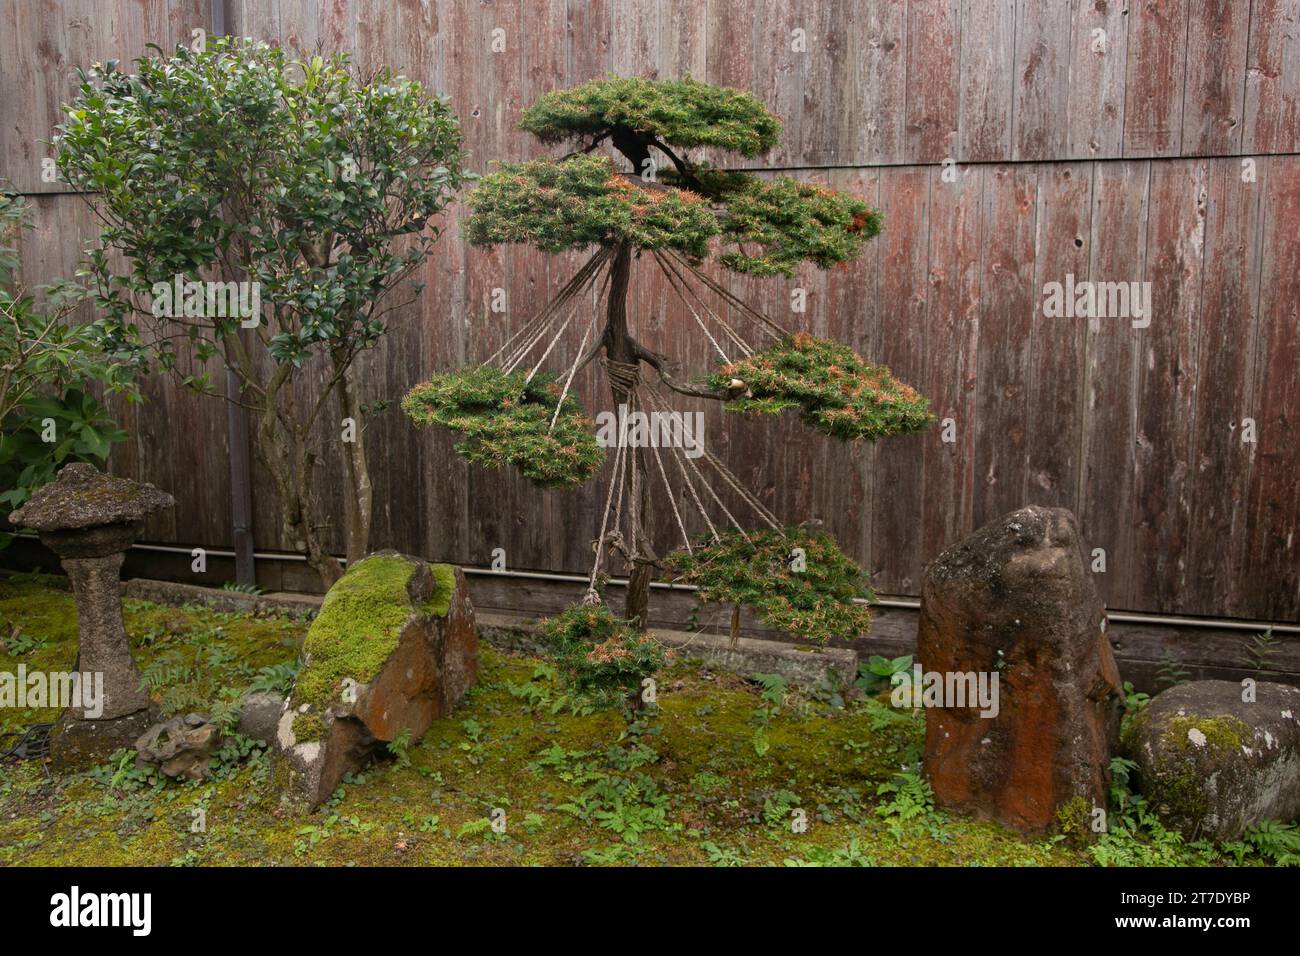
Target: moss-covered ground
{"x": 721, "y": 773}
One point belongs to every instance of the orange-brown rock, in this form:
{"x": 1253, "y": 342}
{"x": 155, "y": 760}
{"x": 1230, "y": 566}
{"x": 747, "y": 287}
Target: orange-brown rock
{"x": 1017, "y": 599}
{"x": 393, "y": 649}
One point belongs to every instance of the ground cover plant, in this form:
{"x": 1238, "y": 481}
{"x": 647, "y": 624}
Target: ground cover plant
{"x": 525, "y": 774}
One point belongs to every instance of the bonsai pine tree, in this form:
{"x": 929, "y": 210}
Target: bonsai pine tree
{"x": 315, "y": 189}
{"x": 664, "y": 208}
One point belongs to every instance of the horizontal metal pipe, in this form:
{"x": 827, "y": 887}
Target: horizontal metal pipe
{"x": 1124, "y": 617}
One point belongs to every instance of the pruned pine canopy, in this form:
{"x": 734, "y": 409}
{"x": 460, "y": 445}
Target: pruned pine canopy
{"x": 763, "y": 226}
{"x": 508, "y": 420}
{"x": 794, "y": 579}
{"x": 833, "y": 388}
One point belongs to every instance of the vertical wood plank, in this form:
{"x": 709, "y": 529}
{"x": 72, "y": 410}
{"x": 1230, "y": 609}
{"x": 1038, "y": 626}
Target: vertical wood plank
{"x": 988, "y": 51}
{"x": 1213, "y": 105}
{"x": 1219, "y": 463}
{"x": 1095, "y": 106}
{"x": 1166, "y": 388}
{"x": 1155, "y": 75}
{"x": 1008, "y": 306}
{"x": 1042, "y": 73}
{"x": 1119, "y": 216}
{"x": 1272, "y": 94}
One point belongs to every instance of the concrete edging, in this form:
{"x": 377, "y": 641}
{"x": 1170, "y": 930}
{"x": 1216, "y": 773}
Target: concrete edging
{"x": 799, "y": 665}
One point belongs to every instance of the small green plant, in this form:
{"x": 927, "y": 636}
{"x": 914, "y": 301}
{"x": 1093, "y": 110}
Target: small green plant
{"x": 239, "y": 587}
{"x": 1134, "y": 703}
{"x": 1170, "y": 671}
{"x": 778, "y": 806}
{"x": 719, "y": 856}
{"x": 627, "y": 807}
{"x": 911, "y": 799}
{"x": 19, "y": 644}
{"x": 399, "y": 747}
{"x": 1257, "y": 652}
{"x": 850, "y": 855}
{"x": 876, "y": 673}
{"x": 773, "y": 696}
{"x": 275, "y": 677}
{"x": 1276, "y": 842}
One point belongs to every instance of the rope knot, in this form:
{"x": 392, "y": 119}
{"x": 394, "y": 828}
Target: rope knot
{"x": 625, "y": 377}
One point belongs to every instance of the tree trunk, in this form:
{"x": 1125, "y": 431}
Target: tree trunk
{"x": 285, "y": 456}
{"x": 618, "y": 348}
{"x": 360, "y": 497}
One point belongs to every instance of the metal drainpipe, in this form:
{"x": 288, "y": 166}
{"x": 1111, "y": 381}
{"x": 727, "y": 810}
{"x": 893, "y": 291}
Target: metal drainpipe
{"x": 241, "y": 476}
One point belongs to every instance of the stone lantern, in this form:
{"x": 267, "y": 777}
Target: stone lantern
{"x": 89, "y": 519}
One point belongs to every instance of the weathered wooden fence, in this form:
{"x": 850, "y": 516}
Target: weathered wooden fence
{"x": 1009, "y": 144}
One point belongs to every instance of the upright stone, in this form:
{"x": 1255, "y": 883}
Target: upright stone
{"x": 393, "y": 648}
{"x": 1017, "y": 600}
{"x": 89, "y": 519}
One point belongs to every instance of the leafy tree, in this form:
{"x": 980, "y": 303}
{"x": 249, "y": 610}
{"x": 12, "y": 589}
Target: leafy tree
{"x": 234, "y": 163}
{"x": 675, "y": 212}
{"x": 48, "y": 417}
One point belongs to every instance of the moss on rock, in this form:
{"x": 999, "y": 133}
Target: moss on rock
{"x": 357, "y": 628}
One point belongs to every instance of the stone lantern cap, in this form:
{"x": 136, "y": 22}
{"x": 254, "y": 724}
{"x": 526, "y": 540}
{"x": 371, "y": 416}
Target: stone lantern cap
{"x": 82, "y": 497}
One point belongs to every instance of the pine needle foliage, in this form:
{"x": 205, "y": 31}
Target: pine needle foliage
{"x": 599, "y": 656}
{"x": 763, "y": 227}
{"x": 797, "y": 581}
{"x": 684, "y": 113}
{"x": 788, "y": 220}
{"x": 557, "y": 205}
{"x": 506, "y": 421}
{"x": 835, "y": 389}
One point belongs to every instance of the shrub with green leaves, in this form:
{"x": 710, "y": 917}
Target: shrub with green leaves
{"x": 834, "y": 389}
{"x": 599, "y": 656}
{"x": 797, "y": 581}
{"x": 235, "y": 163}
{"x": 48, "y": 416}
{"x": 506, "y": 420}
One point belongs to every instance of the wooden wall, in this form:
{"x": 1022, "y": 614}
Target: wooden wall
{"x": 1105, "y": 139}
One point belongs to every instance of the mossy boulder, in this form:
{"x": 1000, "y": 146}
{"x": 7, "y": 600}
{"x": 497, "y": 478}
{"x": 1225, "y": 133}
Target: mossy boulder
{"x": 1217, "y": 757}
{"x": 393, "y": 649}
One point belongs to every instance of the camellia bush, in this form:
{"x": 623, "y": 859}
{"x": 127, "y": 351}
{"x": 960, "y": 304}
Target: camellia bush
{"x": 317, "y": 188}
{"x": 49, "y": 416}
{"x": 648, "y": 202}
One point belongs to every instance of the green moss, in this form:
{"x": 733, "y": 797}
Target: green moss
{"x": 357, "y": 628}
{"x": 490, "y": 754}
{"x": 444, "y": 585}
{"x": 1223, "y": 732}
{"x": 187, "y": 656}
{"x": 1072, "y": 819}
{"x": 308, "y": 726}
